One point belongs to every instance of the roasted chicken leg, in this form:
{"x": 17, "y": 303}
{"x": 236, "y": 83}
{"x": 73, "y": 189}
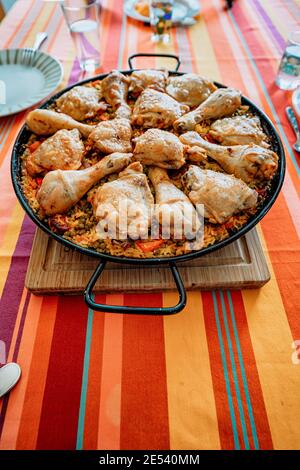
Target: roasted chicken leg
{"x": 115, "y": 88}
{"x": 247, "y": 162}
{"x": 123, "y": 206}
{"x": 47, "y": 122}
{"x": 222, "y": 195}
{"x": 222, "y": 102}
{"x": 60, "y": 190}
{"x": 174, "y": 211}
{"x": 160, "y": 148}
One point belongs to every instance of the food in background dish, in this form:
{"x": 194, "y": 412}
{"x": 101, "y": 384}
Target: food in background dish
{"x": 142, "y": 8}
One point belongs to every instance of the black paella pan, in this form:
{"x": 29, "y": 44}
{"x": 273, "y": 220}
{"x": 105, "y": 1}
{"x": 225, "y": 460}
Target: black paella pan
{"x": 16, "y": 169}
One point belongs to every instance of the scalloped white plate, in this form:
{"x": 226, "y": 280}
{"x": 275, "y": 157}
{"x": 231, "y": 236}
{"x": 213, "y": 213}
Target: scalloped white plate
{"x": 26, "y": 77}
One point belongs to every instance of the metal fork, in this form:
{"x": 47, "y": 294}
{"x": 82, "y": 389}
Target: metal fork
{"x": 293, "y": 121}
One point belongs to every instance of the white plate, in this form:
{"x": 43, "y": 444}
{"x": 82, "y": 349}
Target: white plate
{"x": 26, "y": 77}
{"x": 181, "y": 11}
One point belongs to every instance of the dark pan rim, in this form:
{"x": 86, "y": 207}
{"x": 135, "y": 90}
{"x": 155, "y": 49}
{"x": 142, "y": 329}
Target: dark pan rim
{"x": 266, "y": 122}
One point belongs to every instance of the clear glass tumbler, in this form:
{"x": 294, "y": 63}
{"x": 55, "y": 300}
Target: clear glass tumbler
{"x": 82, "y": 17}
{"x": 288, "y": 77}
{"x": 161, "y": 19}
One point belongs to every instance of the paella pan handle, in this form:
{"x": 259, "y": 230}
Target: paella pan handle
{"x": 88, "y": 297}
{"x": 145, "y": 54}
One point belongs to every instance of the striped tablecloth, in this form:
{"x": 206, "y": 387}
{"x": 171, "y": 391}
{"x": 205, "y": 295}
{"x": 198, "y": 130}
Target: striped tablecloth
{"x": 222, "y": 374}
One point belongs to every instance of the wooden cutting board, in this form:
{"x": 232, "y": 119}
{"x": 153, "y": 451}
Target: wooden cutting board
{"x": 54, "y": 269}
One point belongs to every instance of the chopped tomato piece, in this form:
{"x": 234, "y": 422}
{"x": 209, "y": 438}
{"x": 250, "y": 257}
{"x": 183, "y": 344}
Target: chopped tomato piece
{"x": 209, "y": 138}
{"x": 34, "y": 146}
{"x": 39, "y": 181}
{"x": 229, "y": 225}
{"x": 103, "y": 118}
{"x": 262, "y": 192}
{"x": 149, "y": 246}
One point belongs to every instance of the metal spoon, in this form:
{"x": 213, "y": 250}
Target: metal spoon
{"x": 293, "y": 121}
{"x": 9, "y": 376}
{"x": 39, "y": 39}
{"x": 29, "y": 52}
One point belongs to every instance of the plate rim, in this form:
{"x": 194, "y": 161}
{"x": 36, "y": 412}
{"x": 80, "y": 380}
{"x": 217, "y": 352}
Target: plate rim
{"x": 6, "y": 114}
{"x": 132, "y": 13}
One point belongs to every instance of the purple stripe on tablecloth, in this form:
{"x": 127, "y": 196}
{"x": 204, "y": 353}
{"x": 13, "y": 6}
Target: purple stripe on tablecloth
{"x": 75, "y": 72}
{"x": 14, "y": 284}
{"x": 272, "y": 28}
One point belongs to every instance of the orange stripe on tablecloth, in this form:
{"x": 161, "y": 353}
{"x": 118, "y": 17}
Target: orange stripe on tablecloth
{"x": 279, "y": 377}
{"x": 18, "y": 27}
{"x": 55, "y": 36}
{"x": 106, "y": 18}
{"x": 144, "y": 406}
{"x": 203, "y": 53}
{"x": 5, "y": 129}
{"x": 221, "y": 398}
{"x": 90, "y": 437}
{"x": 33, "y": 400}
{"x": 283, "y": 245}
{"x": 138, "y": 39}
{"x": 59, "y": 413}
{"x": 278, "y": 97}
{"x": 249, "y": 362}
{"x": 283, "y": 248}
{"x": 110, "y": 400}
{"x": 12, "y": 135}
{"x": 245, "y": 80}
{"x": 44, "y": 18}
{"x": 114, "y": 25}
{"x": 230, "y": 73}
{"x": 191, "y": 403}
{"x": 289, "y": 192}
{"x": 17, "y": 395}
{"x": 223, "y": 23}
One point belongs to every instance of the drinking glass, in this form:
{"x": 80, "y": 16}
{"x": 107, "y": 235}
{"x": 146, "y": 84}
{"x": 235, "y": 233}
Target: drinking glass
{"x": 288, "y": 77}
{"x": 82, "y": 17}
{"x": 161, "y": 19}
